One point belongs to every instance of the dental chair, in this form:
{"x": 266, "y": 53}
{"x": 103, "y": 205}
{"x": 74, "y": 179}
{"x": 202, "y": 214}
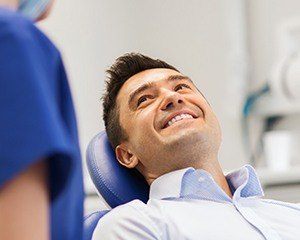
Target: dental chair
{"x": 115, "y": 183}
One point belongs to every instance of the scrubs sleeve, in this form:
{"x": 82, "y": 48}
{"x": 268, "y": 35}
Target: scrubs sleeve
{"x": 31, "y": 123}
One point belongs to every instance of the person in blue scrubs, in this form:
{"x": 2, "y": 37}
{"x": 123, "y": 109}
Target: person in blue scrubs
{"x": 41, "y": 190}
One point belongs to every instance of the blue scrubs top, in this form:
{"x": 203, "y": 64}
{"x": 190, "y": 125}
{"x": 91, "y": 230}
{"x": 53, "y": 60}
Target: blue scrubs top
{"x": 37, "y": 120}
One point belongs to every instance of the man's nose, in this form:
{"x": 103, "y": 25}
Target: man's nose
{"x": 172, "y": 100}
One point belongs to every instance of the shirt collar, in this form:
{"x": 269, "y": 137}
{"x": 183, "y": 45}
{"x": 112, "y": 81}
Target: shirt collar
{"x": 168, "y": 185}
{"x": 199, "y": 184}
{"x": 245, "y": 182}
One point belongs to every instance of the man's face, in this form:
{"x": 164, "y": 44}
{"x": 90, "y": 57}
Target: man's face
{"x": 169, "y": 123}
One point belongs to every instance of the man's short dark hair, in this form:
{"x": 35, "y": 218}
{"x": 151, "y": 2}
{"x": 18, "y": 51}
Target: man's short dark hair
{"x": 123, "y": 68}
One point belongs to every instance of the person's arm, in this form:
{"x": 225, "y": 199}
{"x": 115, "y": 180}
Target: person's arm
{"x": 24, "y": 211}
{"x": 126, "y": 222}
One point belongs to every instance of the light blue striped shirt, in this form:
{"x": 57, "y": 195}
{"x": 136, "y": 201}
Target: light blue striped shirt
{"x": 188, "y": 204}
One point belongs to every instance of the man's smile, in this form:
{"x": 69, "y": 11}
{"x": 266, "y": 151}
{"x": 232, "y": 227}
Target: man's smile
{"x": 179, "y": 118}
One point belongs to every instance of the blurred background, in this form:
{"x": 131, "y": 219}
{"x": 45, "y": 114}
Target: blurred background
{"x": 242, "y": 54}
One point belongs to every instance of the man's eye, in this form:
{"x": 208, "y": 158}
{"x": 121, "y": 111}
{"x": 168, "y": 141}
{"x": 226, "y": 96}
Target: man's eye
{"x": 142, "y": 99}
{"x": 181, "y": 86}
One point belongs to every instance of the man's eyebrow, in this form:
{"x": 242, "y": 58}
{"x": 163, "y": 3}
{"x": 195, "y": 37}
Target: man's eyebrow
{"x": 178, "y": 77}
{"x": 139, "y": 90}
{"x": 151, "y": 85}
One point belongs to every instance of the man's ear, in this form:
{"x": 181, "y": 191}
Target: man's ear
{"x": 125, "y": 156}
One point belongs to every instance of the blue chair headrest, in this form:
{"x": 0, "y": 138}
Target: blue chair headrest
{"x": 116, "y": 184}
{"x": 90, "y": 223}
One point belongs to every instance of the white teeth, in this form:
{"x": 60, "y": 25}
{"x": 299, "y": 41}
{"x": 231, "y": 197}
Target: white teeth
{"x": 178, "y": 118}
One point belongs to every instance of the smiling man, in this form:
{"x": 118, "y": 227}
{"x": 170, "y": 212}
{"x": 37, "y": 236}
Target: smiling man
{"x": 160, "y": 123}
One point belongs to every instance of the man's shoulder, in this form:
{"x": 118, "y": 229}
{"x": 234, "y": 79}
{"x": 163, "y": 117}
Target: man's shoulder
{"x": 295, "y": 206}
{"x": 127, "y": 210}
{"x": 132, "y": 219}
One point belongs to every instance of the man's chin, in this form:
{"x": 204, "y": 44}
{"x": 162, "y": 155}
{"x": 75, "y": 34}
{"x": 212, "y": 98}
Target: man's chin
{"x": 183, "y": 138}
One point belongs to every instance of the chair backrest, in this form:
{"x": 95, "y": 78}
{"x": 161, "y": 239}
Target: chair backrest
{"x": 116, "y": 184}
{"x": 90, "y": 223}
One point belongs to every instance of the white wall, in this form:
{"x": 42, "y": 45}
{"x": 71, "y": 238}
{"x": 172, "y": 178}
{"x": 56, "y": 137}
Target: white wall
{"x": 204, "y": 39}
{"x": 265, "y": 18}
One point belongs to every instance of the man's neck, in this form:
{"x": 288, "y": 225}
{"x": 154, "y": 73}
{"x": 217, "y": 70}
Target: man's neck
{"x": 12, "y": 4}
{"x": 216, "y": 172}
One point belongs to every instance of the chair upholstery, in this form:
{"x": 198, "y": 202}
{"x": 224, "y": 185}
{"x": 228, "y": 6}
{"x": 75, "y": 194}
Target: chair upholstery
{"x": 90, "y": 223}
{"x": 116, "y": 184}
